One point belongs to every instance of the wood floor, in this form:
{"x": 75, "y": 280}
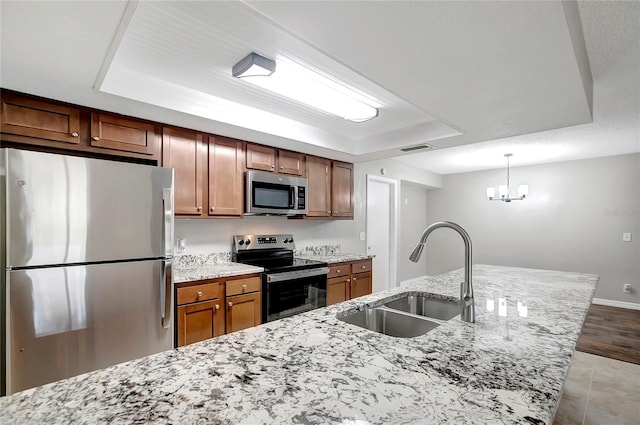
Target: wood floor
{"x": 611, "y": 332}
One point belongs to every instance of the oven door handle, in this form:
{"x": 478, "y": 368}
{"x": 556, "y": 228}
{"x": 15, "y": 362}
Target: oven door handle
{"x": 296, "y": 274}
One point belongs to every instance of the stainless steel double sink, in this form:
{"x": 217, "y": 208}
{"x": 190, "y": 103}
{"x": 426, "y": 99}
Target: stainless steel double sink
{"x": 406, "y": 317}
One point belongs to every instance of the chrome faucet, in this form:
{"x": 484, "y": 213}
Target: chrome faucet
{"x": 467, "y": 307}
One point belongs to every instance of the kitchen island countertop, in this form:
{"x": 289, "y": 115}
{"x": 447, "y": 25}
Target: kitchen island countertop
{"x": 508, "y": 368}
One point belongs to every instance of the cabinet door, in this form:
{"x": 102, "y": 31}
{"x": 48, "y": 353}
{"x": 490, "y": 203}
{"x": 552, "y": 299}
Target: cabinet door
{"x": 200, "y": 321}
{"x": 42, "y": 120}
{"x": 337, "y": 289}
{"x": 225, "y": 176}
{"x": 243, "y": 311}
{"x": 261, "y": 157}
{"x": 122, "y": 134}
{"x": 185, "y": 152}
{"x": 342, "y": 189}
{"x": 319, "y": 187}
{"x": 291, "y": 163}
{"x": 360, "y": 284}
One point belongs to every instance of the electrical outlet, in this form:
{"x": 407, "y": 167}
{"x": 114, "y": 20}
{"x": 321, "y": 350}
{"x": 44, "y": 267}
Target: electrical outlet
{"x": 626, "y": 288}
{"x": 626, "y": 237}
{"x": 182, "y": 245}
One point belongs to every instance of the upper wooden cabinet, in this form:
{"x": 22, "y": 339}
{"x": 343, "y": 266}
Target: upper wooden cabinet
{"x": 330, "y": 188}
{"x": 27, "y": 117}
{"x": 270, "y": 159}
{"x": 319, "y": 187}
{"x": 186, "y": 153}
{"x": 291, "y": 163}
{"x": 53, "y": 125}
{"x": 123, "y": 134}
{"x": 342, "y": 189}
{"x": 225, "y": 176}
{"x": 204, "y": 173}
{"x": 261, "y": 157}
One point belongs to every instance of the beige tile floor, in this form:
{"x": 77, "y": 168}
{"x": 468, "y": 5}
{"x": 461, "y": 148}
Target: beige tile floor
{"x": 600, "y": 391}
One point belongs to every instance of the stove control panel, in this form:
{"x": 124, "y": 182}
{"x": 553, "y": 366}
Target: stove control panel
{"x": 246, "y": 242}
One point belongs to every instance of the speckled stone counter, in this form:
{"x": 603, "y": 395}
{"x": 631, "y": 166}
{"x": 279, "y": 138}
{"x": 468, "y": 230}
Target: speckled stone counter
{"x": 211, "y": 271}
{"x": 507, "y": 368}
{"x": 336, "y": 258}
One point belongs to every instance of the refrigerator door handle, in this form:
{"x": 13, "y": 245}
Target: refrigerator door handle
{"x": 166, "y": 294}
{"x": 167, "y": 204}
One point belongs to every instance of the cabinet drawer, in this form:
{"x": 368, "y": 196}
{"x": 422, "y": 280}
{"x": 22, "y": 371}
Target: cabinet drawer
{"x": 203, "y": 292}
{"x": 361, "y": 266}
{"x": 339, "y": 270}
{"x": 243, "y": 286}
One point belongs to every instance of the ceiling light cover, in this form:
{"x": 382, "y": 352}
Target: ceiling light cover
{"x": 301, "y": 84}
{"x": 254, "y": 65}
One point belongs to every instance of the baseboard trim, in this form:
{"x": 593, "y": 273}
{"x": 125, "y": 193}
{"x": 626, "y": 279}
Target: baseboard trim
{"x": 621, "y": 304}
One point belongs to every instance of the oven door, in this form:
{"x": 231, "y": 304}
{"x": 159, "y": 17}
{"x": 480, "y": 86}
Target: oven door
{"x": 289, "y": 293}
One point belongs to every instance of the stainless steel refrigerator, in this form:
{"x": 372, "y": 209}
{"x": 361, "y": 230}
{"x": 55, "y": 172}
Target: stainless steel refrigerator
{"x": 87, "y": 249}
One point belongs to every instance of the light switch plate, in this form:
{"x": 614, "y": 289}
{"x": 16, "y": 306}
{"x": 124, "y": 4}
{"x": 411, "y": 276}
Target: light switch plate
{"x": 626, "y": 237}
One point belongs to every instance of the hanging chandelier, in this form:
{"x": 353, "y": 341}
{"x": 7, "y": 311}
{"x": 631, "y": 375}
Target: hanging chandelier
{"x": 503, "y": 189}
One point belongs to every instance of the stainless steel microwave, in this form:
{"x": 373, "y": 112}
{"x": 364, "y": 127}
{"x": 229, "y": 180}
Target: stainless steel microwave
{"x": 275, "y": 194}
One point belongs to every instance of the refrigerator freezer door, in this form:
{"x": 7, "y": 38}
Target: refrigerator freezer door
{"x": 64, "y": 209}
{"x": 64, "y": 321}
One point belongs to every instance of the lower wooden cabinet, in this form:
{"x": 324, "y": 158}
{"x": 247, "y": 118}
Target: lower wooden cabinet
{"x": 349, "y": 280}
{"x": 200, "y": 321}
{"x": 243, "y": 311}
{"x": 243, "y": 302}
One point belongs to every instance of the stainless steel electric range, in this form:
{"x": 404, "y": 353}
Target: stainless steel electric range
{"x": 289, "y": 285}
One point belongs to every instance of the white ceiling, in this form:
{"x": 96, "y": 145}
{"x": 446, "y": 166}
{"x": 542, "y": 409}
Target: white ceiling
{"x": 474, "y": 79}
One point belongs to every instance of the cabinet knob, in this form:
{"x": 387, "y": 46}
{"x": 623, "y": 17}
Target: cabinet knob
{"x": 244, "y": 288}
{"x": 281, "y": 167}
{"x": 230, "y": 304}
{"x": 199, "y": 294}
{"x": 217, "y": 307}
{"x": 354, "y": 279}
{"x": 338, "y": 271}
{"x": 364, "y": 267}
{"x": 329, "y": 212}
{"x": 273, "y": 166}
{"x": 74, "y": 134}
{"x": 199, "y": 208}
{"x": 348, "y": 280}
{"x": 95, "y": 138}
{"x": 213, "y": 208}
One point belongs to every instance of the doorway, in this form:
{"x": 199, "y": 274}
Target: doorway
{"x": 382, "y": 230}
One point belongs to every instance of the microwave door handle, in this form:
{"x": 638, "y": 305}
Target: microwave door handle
{"x": 294, "y": 196}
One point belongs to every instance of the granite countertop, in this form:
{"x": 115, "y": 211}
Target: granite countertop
{"x": 507, "y": 368}
{"x": 212, "y": 271}
{"x": 337, "y": 258}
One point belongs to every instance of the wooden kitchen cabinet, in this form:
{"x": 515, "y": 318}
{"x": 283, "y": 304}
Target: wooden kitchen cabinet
{"x": 349, "y": 280}
{"x": 319, "y": 187}
{"x": 185, "y": 152}
{"x": 207, "y": 176}
{"x": 261, "y": 157}
{"x": 59, "y": 127}
{"x": 225, "y": 176}
{"x": 204, "y": 319}
{"x": 123, "y": 134}
{"x": 31, "y": 118}
{"x": 342, "y": 189}
{"x": 244, "y": 303}
{"x": 291, "y": 163}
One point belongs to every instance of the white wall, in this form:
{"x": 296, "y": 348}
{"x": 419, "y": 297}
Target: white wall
{"x": 413, "y": 220}
{"x": 214, "y": 235}
{"x": 573, "y": 220}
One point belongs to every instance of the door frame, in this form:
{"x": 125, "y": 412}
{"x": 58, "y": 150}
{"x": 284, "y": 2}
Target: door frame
{"x": 394, "y": 196}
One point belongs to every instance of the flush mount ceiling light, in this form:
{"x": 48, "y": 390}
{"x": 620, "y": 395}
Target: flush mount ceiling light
{"x": 503, "y": 189}
{"x": 306, "y": 86}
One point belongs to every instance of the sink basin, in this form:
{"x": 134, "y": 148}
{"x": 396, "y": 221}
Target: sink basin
{"x": 391, "y": 323}
{"x": 426, "y": 306}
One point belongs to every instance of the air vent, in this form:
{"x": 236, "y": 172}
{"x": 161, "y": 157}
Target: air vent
{"x": 417, "y": 148}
